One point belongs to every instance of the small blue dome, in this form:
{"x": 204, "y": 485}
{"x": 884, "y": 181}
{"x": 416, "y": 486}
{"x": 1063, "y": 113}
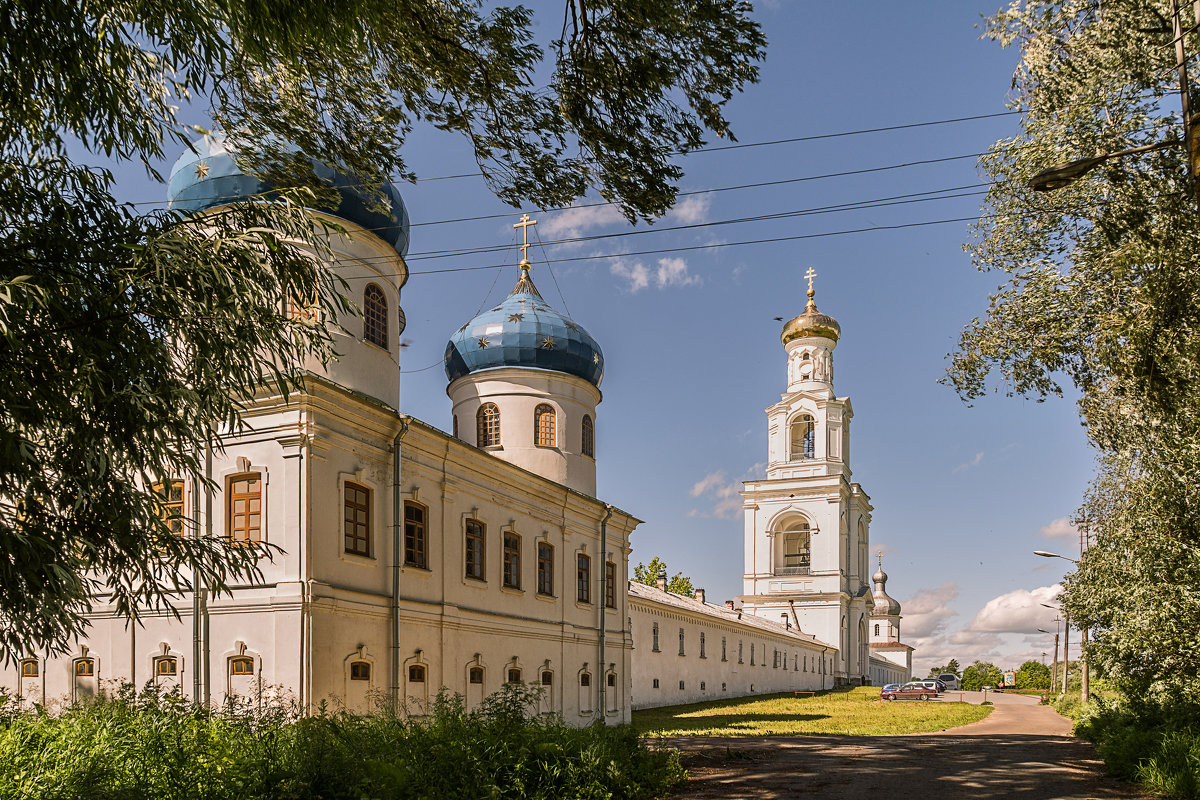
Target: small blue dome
{"x": 524, "y": 332}
{"x": 210, "y": 177}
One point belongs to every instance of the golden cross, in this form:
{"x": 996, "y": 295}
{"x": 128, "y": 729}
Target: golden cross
{"x": 810, "y": 275}
{"x": 524, "y": 226}
{"x": 880, "y": 554}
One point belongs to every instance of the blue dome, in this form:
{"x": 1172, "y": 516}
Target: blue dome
{"x": 524, "y": 332}
{"x": 209, "y": 177}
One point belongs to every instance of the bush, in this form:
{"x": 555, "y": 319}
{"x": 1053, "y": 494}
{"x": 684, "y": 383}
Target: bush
{"x": 152, "y": 746}
{"x": 1156, "y": 746}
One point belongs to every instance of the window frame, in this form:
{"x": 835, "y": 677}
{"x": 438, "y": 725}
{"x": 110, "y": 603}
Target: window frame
{"x": 172, "y": 510}
{"x": 232, "y": 497}
{"x": 654, "y": 642}
{"x": 471, "y": 673}
{"x": 375, "y": 316}
{"x": 235, "y": 661}
{"x": 161, "y": 661}
{"x": 360, "y": 670}
{"x": 475, "y": 550}
{"x": 36, "y": 671}
{"x": 416, "y": 536}
{"x": 510, "y": 574}
{"x": 351, "y": 541}
{"x": 588, "y": 432}
{"x": 417, "y": 673}
{"x": 487, "y": 426}
{"x": 513, "y": 675}
{"x": 583, "y": 578}
{"x": 804, "y": 447}
{"x": 85, "y": 667}
{"x": 545, "y": 426}
{"x": 610, "y": 584}
{"x": 545, "y": 569}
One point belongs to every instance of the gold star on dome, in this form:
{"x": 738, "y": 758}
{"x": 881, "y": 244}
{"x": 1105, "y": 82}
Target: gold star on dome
{"x": 548, "y": 343}
{"x": 595, "y": 358}
{"x": 483, "y": 343}
{"x": 515, "y": 317}
{"x": 202, "y": 170}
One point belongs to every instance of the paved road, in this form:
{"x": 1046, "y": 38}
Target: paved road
{"x": 1022, "y": 751}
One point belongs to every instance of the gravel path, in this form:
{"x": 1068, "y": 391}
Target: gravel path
{"x": 1022, "y": 751}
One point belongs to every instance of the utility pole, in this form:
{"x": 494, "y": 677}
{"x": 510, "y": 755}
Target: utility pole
{"x": 1084, "y": 537}
{"x": 1189, "y": 140}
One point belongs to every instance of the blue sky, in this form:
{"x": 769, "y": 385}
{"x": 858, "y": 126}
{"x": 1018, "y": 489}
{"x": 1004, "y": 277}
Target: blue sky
{"x": 962, "y": 495}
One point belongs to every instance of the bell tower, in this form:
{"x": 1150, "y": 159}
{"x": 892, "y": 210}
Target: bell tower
{"x": 806, "y": 524}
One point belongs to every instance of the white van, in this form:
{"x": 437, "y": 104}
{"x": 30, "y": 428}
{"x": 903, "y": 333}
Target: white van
{"x": 951, "y": 681}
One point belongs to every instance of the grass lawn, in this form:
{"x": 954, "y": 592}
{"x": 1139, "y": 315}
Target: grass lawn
{"x": 857, "y": 712}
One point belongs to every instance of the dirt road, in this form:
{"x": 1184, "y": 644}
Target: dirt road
{"x": 1022, "y": 751}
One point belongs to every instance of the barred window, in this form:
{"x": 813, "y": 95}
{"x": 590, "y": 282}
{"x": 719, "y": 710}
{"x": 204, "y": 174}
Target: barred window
{"x": 512, "y": 561}
{"x": 245, "y": 507}
{"x": 357, "y": 519}
{"x": 544, "y": 426}
{"x": 415, "y": 543}
{"x": 545, "y": 568}
{"x": 475, "y": 551}
{"x": 589, "y": 437}
{"x": 375, "y": 325}
{"x": 583, "y": 578}
{"x": 487, "y": 426}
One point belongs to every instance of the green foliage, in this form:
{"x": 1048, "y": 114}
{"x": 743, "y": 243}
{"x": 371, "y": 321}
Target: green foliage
{"x": 980, "y": 674}
{"x": 1033, "y": 675}
{"x": 1155, "y": 745}
{"x": 129, "y": 340}
{"x": 151, "y": 746}
{"x": 1102, "y": 289}
{"x": 648, "y": 574}
{"x": 950, "y": 667}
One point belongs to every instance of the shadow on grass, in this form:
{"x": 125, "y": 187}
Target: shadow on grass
{"x": 747, "y": 722}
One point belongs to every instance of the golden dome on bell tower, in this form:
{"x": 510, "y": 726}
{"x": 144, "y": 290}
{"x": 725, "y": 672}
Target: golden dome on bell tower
{"x": 812, "y": 322}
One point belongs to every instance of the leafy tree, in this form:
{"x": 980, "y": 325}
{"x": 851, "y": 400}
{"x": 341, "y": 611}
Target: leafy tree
{"x": 1033, "y": 675}
{"x": 676, "y": 584}
{"x": 130, "y": 340}
{"x": 980, "y": 674}
{"x": 950, "y": 667}
{"x": 1102, "y": 289}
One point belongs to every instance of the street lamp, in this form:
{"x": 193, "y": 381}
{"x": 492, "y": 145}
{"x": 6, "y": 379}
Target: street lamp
{"x": 1084, "y": 689}
{"x": 1061, "y": 175}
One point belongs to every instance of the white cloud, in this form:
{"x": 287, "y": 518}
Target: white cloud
{"x": 724, "y": 494}
{"x": 1060, "y": 528}
{"x": 1019, "y": 611}
{"x": 669, "y": 272}
{"x": 636, "y": 273}
{"x": 974, "y": 462}
{"x": 708, "y": 482}
{"x": 927, "y": 611}
{"x": 690, "y": 210}
{"x": 572, "y": 223}
{"x": 674, "y": 272}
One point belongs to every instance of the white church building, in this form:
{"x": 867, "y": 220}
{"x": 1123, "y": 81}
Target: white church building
{"x": 414, "y": 559}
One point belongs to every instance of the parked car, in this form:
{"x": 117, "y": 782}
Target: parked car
{"x": 951, "y": 680}
{"x": 908, "y": 691}
{"x": 932, "y": 684}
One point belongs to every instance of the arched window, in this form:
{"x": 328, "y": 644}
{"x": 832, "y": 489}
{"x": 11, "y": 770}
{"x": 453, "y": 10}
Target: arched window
{"x": 543, "y": 426}
{"x": 375, "y": 316}
{"x": 166, "y": 666}
{"x": 85, "y": 667}
{"x": 545, "y": 569}
{"x": 241, "y": 665}
{"x": 797, "y": 554}
{"x": 514, "y": 675}
{"x": 547, "y": 678}
{"x": 475, "y": 675}
{"x": 416, "y": 543}
{"x": 804, "y": 439}
{"x": 245, "y": 507}
{"x": 876, "y": 628}
{"x": 360, "y": 671}
{"x": 487, "y": 426}
{"x": 589, "y": 437}
{"x": 654, "y": 638}
{"x": 416, "y": 673}
{"x": 29, "y": 668}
